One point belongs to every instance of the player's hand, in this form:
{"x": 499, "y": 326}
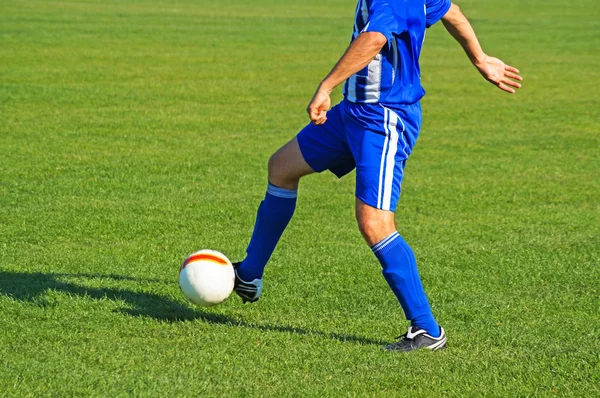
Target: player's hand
{"x": 503, "y": 76}
{"x": 319, "y": 105}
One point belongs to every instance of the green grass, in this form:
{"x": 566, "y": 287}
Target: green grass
{"x": 135, "y": 132}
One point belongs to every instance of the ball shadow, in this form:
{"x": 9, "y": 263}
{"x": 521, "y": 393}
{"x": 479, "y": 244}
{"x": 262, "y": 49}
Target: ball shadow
{"x": 33, "y": 286}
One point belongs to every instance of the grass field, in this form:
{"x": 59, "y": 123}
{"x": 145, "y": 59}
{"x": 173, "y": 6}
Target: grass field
{"x": 135, "y": 132}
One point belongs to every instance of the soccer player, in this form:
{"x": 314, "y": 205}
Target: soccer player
{"x": 373, "y": 129}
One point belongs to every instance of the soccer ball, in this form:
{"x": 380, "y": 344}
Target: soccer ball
{"x": 206, "y": 278}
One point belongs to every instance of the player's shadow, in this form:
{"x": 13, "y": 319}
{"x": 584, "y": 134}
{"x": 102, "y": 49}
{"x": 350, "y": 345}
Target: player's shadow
{"x": 33, "y": 287}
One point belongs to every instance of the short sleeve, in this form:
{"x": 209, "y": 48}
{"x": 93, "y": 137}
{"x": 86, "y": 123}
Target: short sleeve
{"x": 382, "y": 19}
{"x": 435, "y": 10}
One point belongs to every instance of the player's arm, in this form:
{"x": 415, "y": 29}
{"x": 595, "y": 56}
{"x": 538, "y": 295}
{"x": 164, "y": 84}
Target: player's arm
{"x": 361, "y": 51}
{"x": 494, "y": 70}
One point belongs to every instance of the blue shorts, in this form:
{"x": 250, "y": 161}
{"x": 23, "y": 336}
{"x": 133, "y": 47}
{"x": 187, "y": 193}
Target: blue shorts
{"x": 374, "y": 138}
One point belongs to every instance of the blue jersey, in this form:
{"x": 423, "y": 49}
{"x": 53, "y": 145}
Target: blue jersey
{"x": 394, "y": 75}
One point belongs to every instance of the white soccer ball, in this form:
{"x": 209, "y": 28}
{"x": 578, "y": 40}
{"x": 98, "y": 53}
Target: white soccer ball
{"x": 206, "y": 278}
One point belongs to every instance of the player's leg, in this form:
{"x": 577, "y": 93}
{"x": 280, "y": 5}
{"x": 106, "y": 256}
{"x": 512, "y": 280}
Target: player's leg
{"x": 381, "y": 151}
{"x": 315, "y": 148}
{"x": 398, "y": 263}
{"x": 286, "y": 167}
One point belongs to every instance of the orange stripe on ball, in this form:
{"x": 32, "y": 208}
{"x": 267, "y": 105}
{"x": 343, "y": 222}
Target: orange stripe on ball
{"x": 205, "y": 257}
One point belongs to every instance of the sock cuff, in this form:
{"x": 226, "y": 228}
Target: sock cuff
{"x": 386, "y": 243}
{"x": 281, "y": 192}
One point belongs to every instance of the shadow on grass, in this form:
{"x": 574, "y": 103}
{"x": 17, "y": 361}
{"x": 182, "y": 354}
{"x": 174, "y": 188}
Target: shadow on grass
{"x": 31, "y": 286}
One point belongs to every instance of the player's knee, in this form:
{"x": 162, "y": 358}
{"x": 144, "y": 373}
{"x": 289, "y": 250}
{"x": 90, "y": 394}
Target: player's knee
{"x": 274, "y": 170}
{"x": 369, "y": 227}
{"x": 278, "y": 174}
{"x": 374, "y": 228}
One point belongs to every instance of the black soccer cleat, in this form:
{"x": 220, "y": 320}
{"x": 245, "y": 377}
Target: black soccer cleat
{"x": 417, "y": 338}
{"x": 248, "y": 291}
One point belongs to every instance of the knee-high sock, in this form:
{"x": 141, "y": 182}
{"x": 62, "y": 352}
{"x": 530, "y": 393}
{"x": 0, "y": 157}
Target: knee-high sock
{"x": 274, "y": 214}
{"x": 400, "y": 271}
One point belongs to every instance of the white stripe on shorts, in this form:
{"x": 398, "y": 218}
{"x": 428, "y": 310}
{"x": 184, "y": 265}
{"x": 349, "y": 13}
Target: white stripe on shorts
{"x": 385, "y": 144}
{"x": 390, "y": 162}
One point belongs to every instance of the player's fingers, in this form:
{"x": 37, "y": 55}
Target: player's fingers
{"x": 321, "y": 119}
{"x": 513, "y": 75}
{"x": 318, "y": 117}
{"x": 312, "y": 113}
{"x": 512, "y": 83}
{"x": 511, "y": 68}
{"x": 504, "y": 87}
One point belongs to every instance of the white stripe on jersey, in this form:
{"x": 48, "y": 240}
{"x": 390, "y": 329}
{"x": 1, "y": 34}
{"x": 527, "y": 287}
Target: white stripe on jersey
{"x": 351, "y": 94}
{"x": 373, "y": 87}
{"x": 362, "y": 8}
{"x": 365, "y": 12}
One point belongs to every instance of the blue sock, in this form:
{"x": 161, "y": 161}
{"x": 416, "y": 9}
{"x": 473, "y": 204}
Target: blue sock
{"x": 400, "y": 271}
{"x": 274, "y": 214}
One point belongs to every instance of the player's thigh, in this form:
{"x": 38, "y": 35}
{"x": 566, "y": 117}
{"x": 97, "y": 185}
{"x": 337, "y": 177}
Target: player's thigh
{"x": 325, "y": 146}
{"x": 381, "y": 140}
{"x": 287, "y": 165}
